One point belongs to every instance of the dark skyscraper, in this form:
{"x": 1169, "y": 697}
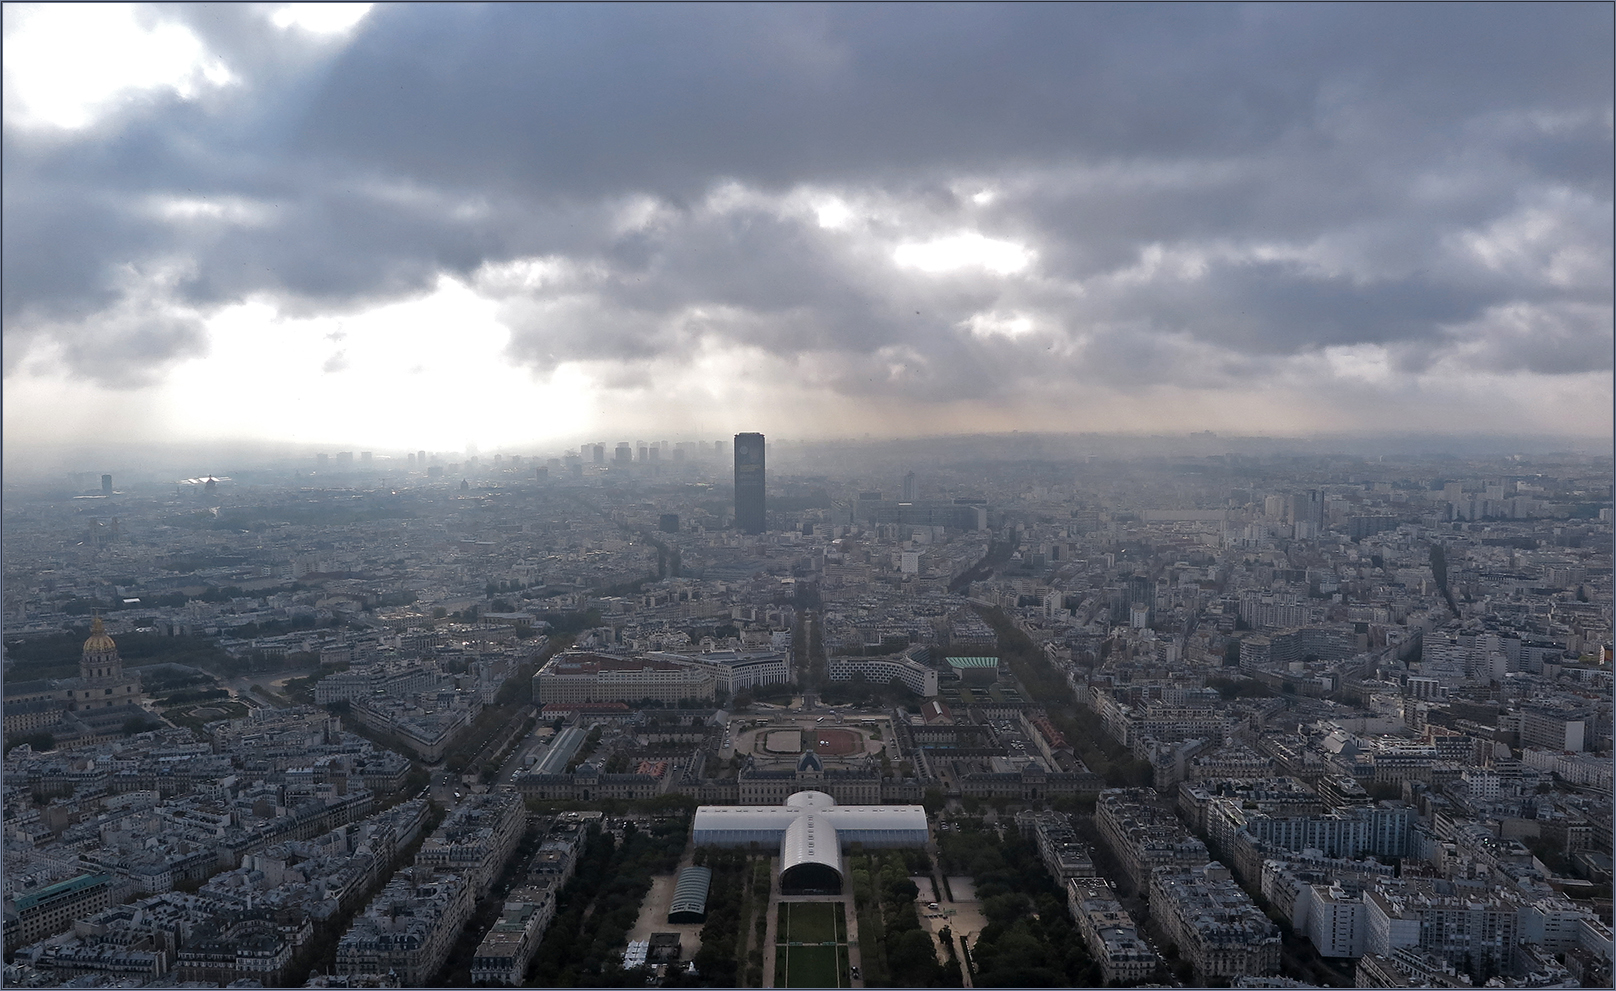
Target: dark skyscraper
{"x": 106, "y": 484}
{"x": 749, "y": 483}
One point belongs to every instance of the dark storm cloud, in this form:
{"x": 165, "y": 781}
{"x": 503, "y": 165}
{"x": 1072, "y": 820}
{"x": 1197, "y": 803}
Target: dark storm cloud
{"x": 667, "y": 97}
{"x": 1277, "y": 307}
{"x": 1320, "y": 175}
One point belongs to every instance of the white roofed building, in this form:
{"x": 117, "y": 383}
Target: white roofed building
{"x": 811, "y": 829}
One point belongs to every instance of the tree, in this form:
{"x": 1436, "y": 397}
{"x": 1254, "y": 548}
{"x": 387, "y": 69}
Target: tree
{"x": 138, "y": 724}
{"x": 914, "y": 955}
{"x": 1005, "y": 909}
{"x": 37, "y": 742}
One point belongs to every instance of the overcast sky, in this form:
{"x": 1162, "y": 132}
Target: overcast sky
{"x": 529, "y": 225}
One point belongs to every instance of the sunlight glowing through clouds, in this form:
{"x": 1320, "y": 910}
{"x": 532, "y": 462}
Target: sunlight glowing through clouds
{"x": 833, "y": 214}
{"x": 970, "y": 250}
{"x": 67, "y": 65}
{"x": 320, "y": 18}
{"x": 391, "y": 373}
{"x": 989, "y": 325}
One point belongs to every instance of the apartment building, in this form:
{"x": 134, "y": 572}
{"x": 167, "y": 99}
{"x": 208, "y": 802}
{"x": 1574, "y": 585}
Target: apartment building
{"x": 1335, "y": 919}
{"x": 1109, "y": 931}
{"x": 735, "y": 671}
{"x": 915, "y": 676}
{"x": 1065, "y": 856}
{"x": 1474, "y": 926}
{"x": 504, "y": 954}
{"x": 1216, "y": 926}
{"x": 1144, "y": 837}
{"x": 476, "y": 838}
{"x": 52, "y": 909}
{"x": 408, "y": 929}
{"x": 392, "y": 679}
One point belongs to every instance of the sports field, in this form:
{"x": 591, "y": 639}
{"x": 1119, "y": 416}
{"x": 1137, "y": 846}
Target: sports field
{"x": 812, "y": 947}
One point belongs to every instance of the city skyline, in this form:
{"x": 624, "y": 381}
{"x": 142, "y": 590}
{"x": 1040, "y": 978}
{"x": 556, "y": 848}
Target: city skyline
{"x": 299, "y": 225}
{"x": 1237, "y": 686}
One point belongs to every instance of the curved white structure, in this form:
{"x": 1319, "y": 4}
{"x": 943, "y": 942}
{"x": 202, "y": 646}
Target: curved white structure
{"x": 811, "y": 830}
{"x": 810, "y": 856}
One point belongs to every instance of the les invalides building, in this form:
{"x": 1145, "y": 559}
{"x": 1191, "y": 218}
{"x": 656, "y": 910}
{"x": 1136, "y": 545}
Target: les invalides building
{"x": 78, "y": 711}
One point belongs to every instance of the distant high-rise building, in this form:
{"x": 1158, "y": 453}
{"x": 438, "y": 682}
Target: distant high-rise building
{"x": 911, "y": 488}
{"x": 644, "y": 453}
{"x": 656, "y": 453}
{"x": 364, "y": 458}
{"x": 420, "y": 458}
{"x": 412, "y": 459}
{"x": 749, "y": 475}
{"x": 1308, "y": 507}
{"x": 320, "y": 461}
{"x": 106, "y": 485}
{"x": 1141, "y": 592}
{"x": 344, "y": 459}
{"x": 624, "y": 454}
{"x": 598, "y": 453}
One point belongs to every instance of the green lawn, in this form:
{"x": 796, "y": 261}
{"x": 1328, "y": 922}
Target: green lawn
{"x": 811, "y": 951}
{"x": 813, "y": 966}
{"x": 811, "y": 922}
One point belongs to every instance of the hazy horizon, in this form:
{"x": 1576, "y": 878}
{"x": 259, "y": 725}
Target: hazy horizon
{"x": 36, "y": 464}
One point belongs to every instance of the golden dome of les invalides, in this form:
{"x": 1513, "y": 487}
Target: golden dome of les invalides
{"x": 98, "y": 642}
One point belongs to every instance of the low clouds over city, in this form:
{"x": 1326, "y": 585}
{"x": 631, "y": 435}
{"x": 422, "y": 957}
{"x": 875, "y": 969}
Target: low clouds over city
{"x": 812, "y": 220}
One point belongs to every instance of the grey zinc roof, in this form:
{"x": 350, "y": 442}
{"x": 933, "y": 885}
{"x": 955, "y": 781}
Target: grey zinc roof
{"x": 690, "y": 891}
